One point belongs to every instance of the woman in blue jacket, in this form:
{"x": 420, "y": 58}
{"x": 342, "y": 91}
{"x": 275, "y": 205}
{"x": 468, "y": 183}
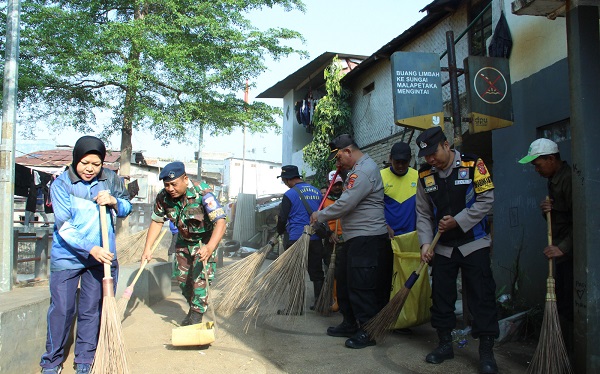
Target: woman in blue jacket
{"x": 77, "y": 253}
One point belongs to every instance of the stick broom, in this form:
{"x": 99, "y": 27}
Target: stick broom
{"x": 378, "y": 326}
{"x": 237, "y": 278}
{"x": 550, "y": 355}
{"x": 324, "y": 302}
{"x": 124, "y": 300}
{"x": 111, "y": 357}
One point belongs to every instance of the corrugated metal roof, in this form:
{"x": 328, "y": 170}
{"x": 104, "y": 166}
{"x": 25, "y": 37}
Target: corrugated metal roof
{"x": 58, "y": 158}
{"x": 311, "y": 72}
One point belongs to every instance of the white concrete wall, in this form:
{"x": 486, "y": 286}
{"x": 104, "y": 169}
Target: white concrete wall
{"x": 260, "y": 177}
{"x": 373, "y": 112}
{"x": 538, "y": 42}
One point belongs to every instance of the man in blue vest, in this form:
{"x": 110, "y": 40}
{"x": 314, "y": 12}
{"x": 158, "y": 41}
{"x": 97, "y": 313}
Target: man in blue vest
{"x": 454, "y": 196}
{"x": 294, "y": 215}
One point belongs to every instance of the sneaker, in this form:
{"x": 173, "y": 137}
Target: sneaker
{"x": 344, "y": 329}
{"x": 46, "y": 225}
{"x": 360, "y": 340}
{"x": 83, "y": 368}
{"x": 54, "y": 370}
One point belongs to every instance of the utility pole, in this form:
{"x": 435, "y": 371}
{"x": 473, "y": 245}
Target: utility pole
{"x": 200, "y": 147}
{"x": 246, "y": 91}
{"x": 7, "y": 144}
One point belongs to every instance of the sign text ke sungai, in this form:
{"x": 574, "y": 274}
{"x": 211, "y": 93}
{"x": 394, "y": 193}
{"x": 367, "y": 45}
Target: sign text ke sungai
{"x": 413, "y": 82}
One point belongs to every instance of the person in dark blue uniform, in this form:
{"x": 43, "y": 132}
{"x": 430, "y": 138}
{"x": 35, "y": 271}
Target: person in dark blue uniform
{"x": 294, "y": 215}
{"x": 454, "y": 195}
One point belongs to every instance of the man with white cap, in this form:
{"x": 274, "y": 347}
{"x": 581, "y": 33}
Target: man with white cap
{"x": 545, "y": 157}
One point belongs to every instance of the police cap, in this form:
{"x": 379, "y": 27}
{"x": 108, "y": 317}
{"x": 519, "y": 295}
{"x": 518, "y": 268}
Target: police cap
{"x": 172, "y": 171}
{"x": 429, "y": 139}
{"x": 338, "y": 143}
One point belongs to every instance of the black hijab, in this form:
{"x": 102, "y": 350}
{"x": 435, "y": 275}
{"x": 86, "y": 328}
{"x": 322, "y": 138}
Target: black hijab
{"x": 86, "y": 145}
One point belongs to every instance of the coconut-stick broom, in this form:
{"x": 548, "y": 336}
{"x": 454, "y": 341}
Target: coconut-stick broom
{"x": 237, "y": 278}
{"x": 124, "y": 300}
{"x": 324, "y": 302}
{"x": 550, "y": 355}
{"x": 111, "y": 357}
{"x": 281, "y": 283}
{"x": 378, "y": 326}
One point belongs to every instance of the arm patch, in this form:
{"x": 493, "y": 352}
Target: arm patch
{"x": 482, "y": 180}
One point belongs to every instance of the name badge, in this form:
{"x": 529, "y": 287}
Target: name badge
{"x": 431, "y": 189}
{"x": 462, "y": 181}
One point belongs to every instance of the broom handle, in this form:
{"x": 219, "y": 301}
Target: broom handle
{"x": 105, "y": 244}
{"x": 145, "y": 262}
{"x": 429, "y": 250}
{"x": 212, "y": 310}
{"x": 329, "y": 188}
{"x": 549, "y": 226}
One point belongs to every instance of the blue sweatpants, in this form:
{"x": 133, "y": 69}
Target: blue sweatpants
{"x": 63, "y": 305}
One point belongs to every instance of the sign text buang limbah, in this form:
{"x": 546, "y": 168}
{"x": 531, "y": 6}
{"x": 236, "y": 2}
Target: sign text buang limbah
{"x": 417, "y": 89}
{"x": 488, "y": 93}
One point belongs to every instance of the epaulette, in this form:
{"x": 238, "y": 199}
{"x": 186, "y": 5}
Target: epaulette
{"x": 468, "y": 157}
{"x": 425, "y": 170}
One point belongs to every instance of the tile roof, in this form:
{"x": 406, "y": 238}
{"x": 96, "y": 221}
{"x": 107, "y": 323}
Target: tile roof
{"x": 58, "y": 158}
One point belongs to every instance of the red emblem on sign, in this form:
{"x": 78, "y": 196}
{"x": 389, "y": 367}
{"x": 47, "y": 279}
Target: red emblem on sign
{"x": 481, "y": 168}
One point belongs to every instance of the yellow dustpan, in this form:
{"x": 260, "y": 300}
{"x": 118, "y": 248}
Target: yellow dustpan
{"x": 198, "y": 334}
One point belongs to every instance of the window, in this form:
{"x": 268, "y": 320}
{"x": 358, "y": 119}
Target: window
{"x": 482, "y": 29}
{"x": 368, "y": 88}
{"x": 557, "y": 132}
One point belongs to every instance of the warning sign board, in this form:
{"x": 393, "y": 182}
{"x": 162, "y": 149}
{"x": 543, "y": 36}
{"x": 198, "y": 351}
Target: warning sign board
{"x": 417, "y": 89}
{"x": 488, "y": 93}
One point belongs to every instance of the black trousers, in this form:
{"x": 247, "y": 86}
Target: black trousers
{"x": 564, "y": 289}
{"x": 363, "y": 272}
{"x": 480, "y": 286}
{"x": 316, "y": 254}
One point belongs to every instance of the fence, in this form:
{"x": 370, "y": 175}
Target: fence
{"x": 31, "y": 247}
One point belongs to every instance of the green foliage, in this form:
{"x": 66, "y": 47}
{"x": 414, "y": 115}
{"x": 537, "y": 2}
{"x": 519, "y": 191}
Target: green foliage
{"x": 168, "y": 66}
{"x": 331, "y": 118}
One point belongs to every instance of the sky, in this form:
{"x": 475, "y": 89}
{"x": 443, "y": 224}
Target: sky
{"x": 353, "y": 26}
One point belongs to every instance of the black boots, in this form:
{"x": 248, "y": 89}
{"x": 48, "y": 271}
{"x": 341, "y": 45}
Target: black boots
{"x": 360, "y": 340}
{"x": 487, "y": 362}
{"x": 193, "y": 317}
{"x": 443, "y": 351}
{"x": 344, "y": 329}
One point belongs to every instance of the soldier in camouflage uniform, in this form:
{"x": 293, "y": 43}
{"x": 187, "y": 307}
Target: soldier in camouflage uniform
{"x": 200, "y": 220}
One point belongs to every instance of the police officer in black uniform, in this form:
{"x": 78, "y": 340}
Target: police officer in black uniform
{"x": 454, "y": 195}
